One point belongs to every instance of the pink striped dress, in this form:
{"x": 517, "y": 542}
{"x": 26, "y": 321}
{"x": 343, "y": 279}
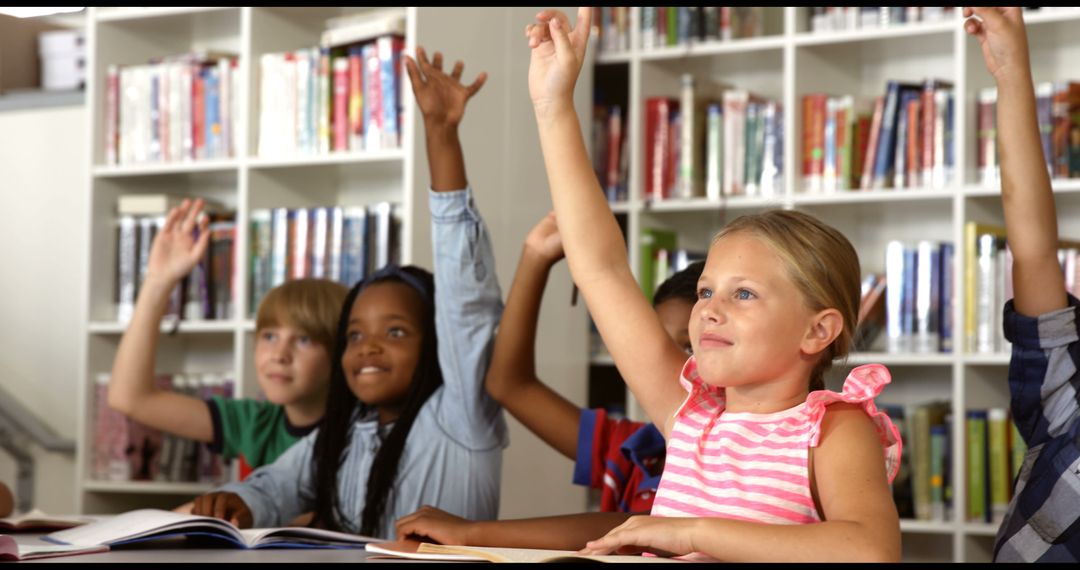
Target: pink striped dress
{"x": 753, "y": 467}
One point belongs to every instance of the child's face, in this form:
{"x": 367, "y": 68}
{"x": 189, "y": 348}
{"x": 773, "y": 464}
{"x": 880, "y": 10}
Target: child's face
{"x": 750, "y": 320}
{"x": 291, "y": 367}
{"x": 674, "y": 314}
{"x": 382, "y": 345}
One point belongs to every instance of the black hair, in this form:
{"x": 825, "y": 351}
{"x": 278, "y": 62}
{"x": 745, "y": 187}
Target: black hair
{"x": 682, "y": 285}
{"x": 335, "y": 431}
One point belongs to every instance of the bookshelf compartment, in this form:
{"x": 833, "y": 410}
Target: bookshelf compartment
{"x": 312, "y": 185}
{"x": 927, "y": 547}
{"x": 979, "y": 546}
{"x": 986, "y": 386}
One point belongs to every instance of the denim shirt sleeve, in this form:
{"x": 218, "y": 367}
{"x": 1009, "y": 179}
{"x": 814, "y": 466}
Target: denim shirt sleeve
{"x": 468, "y": 305}
{"x": 279, "y": 492}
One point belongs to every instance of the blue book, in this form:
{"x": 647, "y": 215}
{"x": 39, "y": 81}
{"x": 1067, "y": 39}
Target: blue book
{"x": 883, "y": 158}
{"x": 211, "y": 113}
{"x": 945, "y": 258}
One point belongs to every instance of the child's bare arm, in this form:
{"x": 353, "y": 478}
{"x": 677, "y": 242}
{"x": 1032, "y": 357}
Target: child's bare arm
{"x": 645, "y": 355}
{"x": 131, "y": 387}
{"x": 1026, "y": 194}
{"x": 442, "y": 99}
{"x": 565, "y": 532}
{"x": 511, "y": 378}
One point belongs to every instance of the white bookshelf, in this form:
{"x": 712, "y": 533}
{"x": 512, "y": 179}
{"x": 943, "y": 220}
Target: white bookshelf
{"x": 794, "y": 61}
{"x": 246, "y": 182}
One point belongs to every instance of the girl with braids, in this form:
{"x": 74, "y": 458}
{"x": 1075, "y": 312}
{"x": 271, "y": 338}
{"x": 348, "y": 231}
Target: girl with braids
{"x": 407, "y": 422}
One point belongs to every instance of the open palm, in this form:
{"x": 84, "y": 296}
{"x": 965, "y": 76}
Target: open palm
{"x": 176, "y": 250}
{"x": 558, "y": 53}
{"x": 441, "y": 97}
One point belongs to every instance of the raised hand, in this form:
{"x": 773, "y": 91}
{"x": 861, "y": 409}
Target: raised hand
{"x": 176, "y": 250}
{"x": 1002, "y": 39}
{"x": 225, "y": 506}
{"x": 434, "y": 524}
{"x": 441, "y": 97}
{"x": 664, "y": 536}
{"x": 544, "y": 240}
{"x": 558, "y": 52}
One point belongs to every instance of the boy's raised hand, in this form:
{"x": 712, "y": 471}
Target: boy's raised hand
{"x": 1002, "y": 38}
{"x": 176, "y": 250}
{"x": 558, "y": 52}
{"x": 441, "y": 97}
{"x": 544, "y": 240}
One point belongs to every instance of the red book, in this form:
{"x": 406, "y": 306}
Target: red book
{"x": 657, "y": 131}
{"x": 814, "y": 141}
{"x": 860, "y": 140}
{"x": 373, "y": 100}
{"x": 613, "y": 147}
{"x": 914, "y": 140}
{"x": 341, "y": 104}
{"x": 356, "y": 99}
{"x": 198, "y": 113}
{"x": 871, "y": 146}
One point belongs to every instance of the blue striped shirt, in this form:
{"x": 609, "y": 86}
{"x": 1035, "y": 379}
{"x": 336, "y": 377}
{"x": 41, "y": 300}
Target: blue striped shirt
{"x": 453, "y": 455}
{"x": 1041, "y": 523}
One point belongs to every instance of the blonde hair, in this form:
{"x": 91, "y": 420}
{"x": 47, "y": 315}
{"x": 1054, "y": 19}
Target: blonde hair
{"x": 822, "y": 263}
{"x": 310, "y": 305}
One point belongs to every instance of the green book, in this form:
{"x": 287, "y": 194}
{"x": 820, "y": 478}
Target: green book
{"x": 998, "y": 462}
{"x": 977, "y": 467}
{"x": 652, "y": 240}
{"x": 938, "y": 440}
{"x": 1018, "y": 449}
{"x": 924, "y": 417}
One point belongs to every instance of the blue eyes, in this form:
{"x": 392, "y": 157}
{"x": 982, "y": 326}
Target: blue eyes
{"x": 740, "y": 294}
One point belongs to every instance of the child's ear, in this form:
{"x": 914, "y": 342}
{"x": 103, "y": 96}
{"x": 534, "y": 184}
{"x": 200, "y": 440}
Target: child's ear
{"x": 825, "y": 326}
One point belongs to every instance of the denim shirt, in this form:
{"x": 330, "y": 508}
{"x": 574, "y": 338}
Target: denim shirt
{"x": 453, "y": 455}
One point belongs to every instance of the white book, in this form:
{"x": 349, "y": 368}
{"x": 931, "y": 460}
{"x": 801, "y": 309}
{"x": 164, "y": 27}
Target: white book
{"x": 149, "y": 524}
{"x": 12, "y": 549}
{"x": 714, "y": 150}
{"x": 427, "y": 551}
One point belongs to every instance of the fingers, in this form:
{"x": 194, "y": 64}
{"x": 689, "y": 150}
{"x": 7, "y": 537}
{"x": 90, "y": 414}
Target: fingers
{"x": 582, "y": 27}
{"x": 972, "y": 26}
{"x": 191, "y": 216}
{"x": 459, "y": 66}
{"x": 174, "y": 216}
{"x": 562, "y": 41}
{"x": 412, "y": 70}
{"x": 199, "y": 250}
{"x": 476, "y": 85}
{"x": 988, "y": 14}
{"x": 436, "y": 62}
{"x": 421, "y": 58}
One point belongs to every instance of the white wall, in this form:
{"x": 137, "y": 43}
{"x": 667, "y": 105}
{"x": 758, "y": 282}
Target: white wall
{"x": 43, "y": 192}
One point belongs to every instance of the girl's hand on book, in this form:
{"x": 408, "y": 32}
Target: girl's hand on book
{"x": 558, "y": 52}
{"x": 663, "y": 536}
{"x": 1003, "y": 40}
{"x": 441, "y": 97}
{"x": 176, "y": 250}
{"x": 225, "y": 506}
{"x": 544, "y": 240}
{"x": 434, "y": 524}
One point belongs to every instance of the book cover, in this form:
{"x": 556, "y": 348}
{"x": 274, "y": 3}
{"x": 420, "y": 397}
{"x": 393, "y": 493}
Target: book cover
{"x": 12, "y": 550}
{"x": 36, "y": 519}
{"x": 427, "y": 551}
{"x": 978, "y": 475}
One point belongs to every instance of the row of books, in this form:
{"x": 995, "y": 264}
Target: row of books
{"x": 665, "y": 26}
{"x": 988, "y": 283}
{"x": 610, "y": 160}
{"x": 174, "y": 109}
{"x": 707, "y": 145}
{"x": 344, "y": 244}
{"x": 993, "y": 453}
{"x": 660, "y": 257}
{"x": 1057, "y": 108}
{"x": 841, "y": 18}
{"x": 906, "y": 142}
{"x": 126, "y": 450}
{"x": 205, "y": 293}
{"x": 918, "y": 294}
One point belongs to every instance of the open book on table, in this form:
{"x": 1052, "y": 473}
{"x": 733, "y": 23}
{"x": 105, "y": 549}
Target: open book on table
{"x": 36, "y": 519}
{"x": 151, "y": 524}
{"x": 12, "y": 549}
{"x": 414, "y": 550}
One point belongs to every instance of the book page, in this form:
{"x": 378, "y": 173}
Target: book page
{"x": 496, "y": 554}
{"x": 408, "y": 549}
{"x": 143, "y": 523}
{"x": 256, "y": 537}
{"x": 36, "y": 518}
{"x": 10, "y": 549}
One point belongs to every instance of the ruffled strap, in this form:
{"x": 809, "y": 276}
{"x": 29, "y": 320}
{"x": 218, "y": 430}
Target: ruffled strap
{"x": 861, "y": 387}
{"x": 697, "y": 390}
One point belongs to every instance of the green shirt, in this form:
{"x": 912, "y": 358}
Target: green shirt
{"x": 255, "y": 430}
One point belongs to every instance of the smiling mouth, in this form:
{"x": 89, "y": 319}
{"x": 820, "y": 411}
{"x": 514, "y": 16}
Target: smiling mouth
{"x": 372, "y": 370}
